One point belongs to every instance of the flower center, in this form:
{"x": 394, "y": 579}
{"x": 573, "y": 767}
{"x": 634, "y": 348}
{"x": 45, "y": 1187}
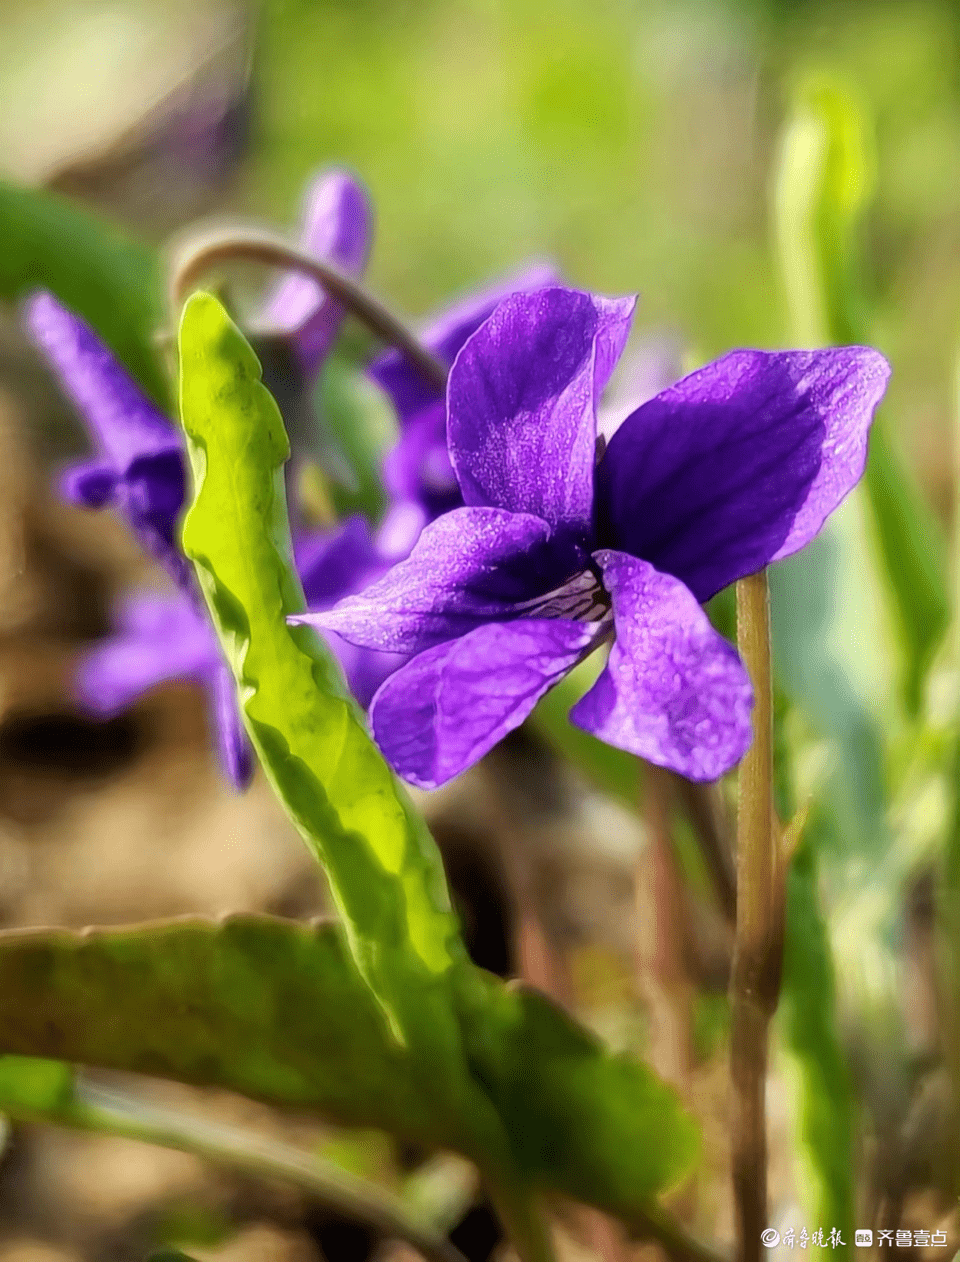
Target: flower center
{"x": 581, "y": 599}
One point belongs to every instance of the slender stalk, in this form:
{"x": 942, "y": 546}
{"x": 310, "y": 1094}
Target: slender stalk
{"x": 257, "y": 246}
{"x": 751, "y": 1001}
{"x": 110, "y": 1113}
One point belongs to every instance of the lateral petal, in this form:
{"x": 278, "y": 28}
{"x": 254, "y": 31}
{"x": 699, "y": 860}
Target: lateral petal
{"x": 740, "y": 463}
{"x": 470, "y": 566}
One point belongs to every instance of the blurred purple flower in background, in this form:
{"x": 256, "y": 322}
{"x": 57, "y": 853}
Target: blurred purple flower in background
{"x": 555, "y": 552}
{"x": 139, "y": 469}
{"x": 338, "y": 228}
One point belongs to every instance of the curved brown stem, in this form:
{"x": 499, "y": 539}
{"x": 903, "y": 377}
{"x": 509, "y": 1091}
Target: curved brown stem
{"x": 256, "y": 246}
{"x": 751, "y": 1001}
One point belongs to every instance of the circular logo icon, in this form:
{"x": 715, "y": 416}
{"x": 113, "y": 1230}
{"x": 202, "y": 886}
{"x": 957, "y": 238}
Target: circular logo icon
{"x": 770, "y": 1237}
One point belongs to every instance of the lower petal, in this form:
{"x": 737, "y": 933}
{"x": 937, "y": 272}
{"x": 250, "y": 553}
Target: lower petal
{"x": 444, "y": 710}
{"x": 673, "y": 691}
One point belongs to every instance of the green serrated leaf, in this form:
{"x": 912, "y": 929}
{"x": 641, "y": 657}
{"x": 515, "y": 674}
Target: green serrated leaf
{"x": 275, "y": 1010}
{"x": 384, "y": 869}
{"x": 601, "y": 1128}
{"x": 108, "y": 279}
{"x": 272, "y": 1009}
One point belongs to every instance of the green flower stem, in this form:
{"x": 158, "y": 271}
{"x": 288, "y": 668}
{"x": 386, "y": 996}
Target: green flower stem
{"x": 110, "y": 1113}
{"x": 751, "y": 1002}
{"x": 257, "y": 246}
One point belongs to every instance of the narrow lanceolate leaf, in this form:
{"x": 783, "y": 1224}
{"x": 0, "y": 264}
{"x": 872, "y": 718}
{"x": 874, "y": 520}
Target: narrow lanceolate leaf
{"x": 383, "y": 867}
{"x": 821, "y": 1092}
{"x": 822, "y": 185}
{"x": 109, "y": 280}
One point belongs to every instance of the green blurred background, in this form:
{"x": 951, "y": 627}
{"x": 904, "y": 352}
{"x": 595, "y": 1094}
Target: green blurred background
{"x": 631, "y": 141}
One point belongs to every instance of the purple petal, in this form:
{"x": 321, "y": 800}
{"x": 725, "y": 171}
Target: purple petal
{"x": 337, "y": 228}
{"x": 521, "y": 418}
{"x": 470, "y": 566}
{"x": 418, "y": 468}
{"x": 89, "y": 484}
{"x": 739, "y": 464}
{"x": 233, "y": 744}
{"x": 400, "y": 530}
{"x": 673, "y": 691}
{"x": 444, "y": 710}
{"x": 446, "y": 334}
{"x": 365, "y": 669}
{"x": 158, "y": 638}
{"x": 126, "y": 426}
{"x": 137, "y": 443}
{"x": 337, "y": 563}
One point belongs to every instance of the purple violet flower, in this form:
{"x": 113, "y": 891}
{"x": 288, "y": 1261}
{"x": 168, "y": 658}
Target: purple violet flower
{"x": 555, "y": 552}
{"x": 417, "y": 473}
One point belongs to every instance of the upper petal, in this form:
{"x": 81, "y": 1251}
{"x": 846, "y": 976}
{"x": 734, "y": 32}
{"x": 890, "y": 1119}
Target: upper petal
{"x": 740, "y": 463}
{"x": 673, "y": 691}
{"x": 447, "y": 332}
{"x": 444, "y": 710}
{"x": 337, "y": 227}
{"x": 521, "y": 403}
{"x": 471, "y": 566}
{"x": 125, "y": 424}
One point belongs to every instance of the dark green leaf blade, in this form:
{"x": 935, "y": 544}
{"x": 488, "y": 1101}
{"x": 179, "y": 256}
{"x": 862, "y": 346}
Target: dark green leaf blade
{"x": 272, "y": 1009}
{"x": 600, "y": 1127}
{"x": 276, "y": 1010}
{"x": 108, "y": 279}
